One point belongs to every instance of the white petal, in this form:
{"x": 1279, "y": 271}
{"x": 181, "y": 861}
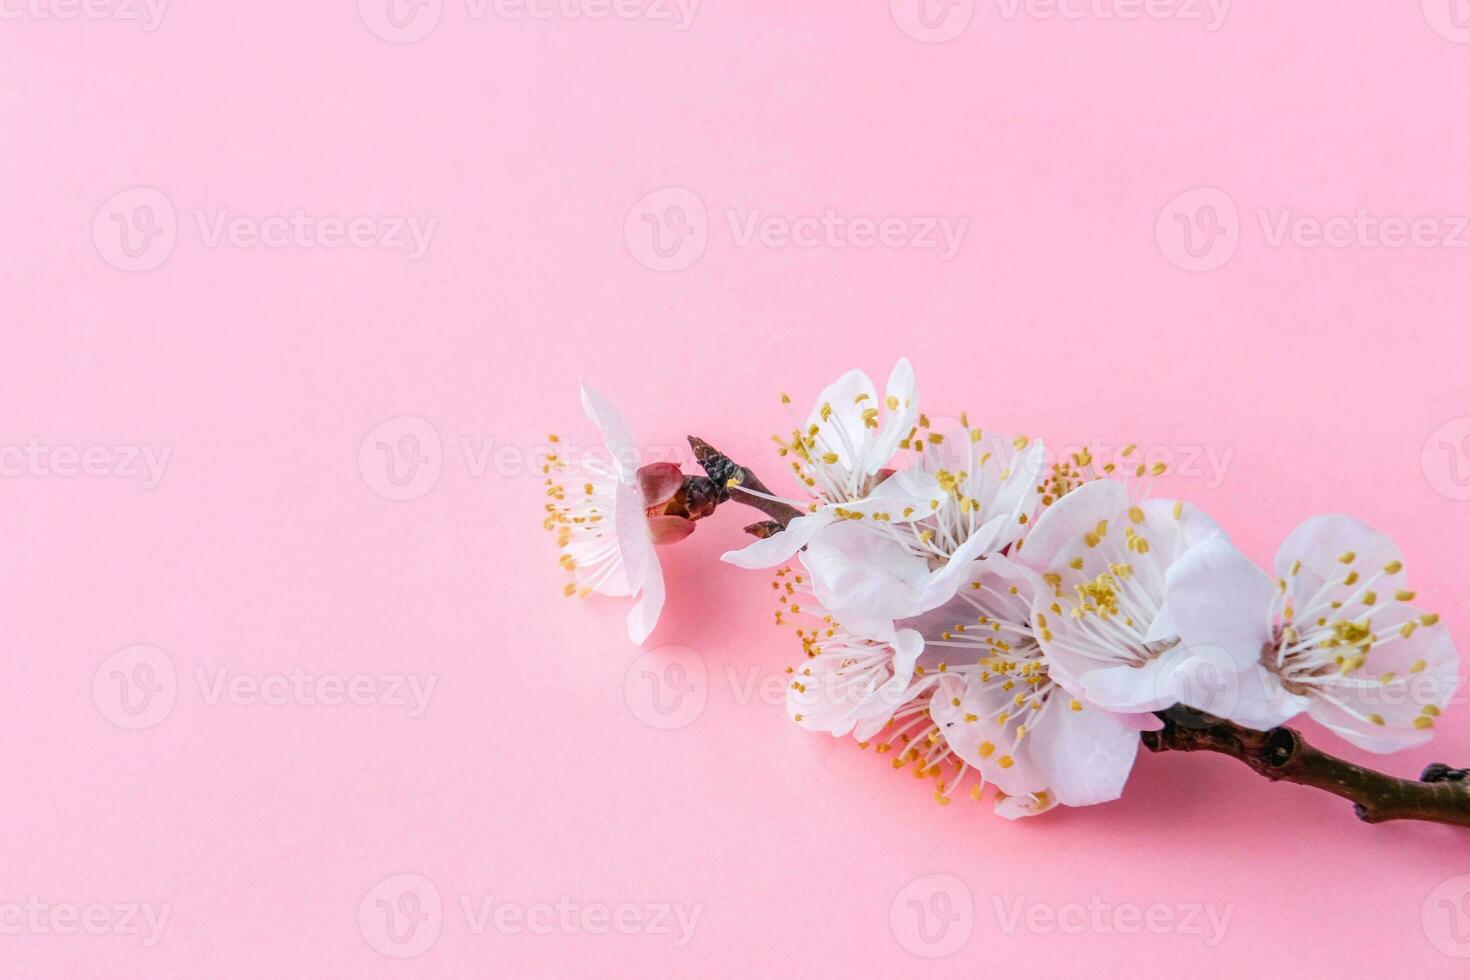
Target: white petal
{"x": 943, "y": 582}
{"x": 1215, "y": 597}
{"x": 1064, "y": 522}
{"x": 1017, "y": 494}
{"x": 615, "y": 432}
{"x": 844, "y": 432}
{"x": 1262, "y": 703}
{"x": 1175, "y": 526}
{"x": 645, "y": 578}
{"x": 1378, "y": 707}
{"x": 1318, "y": 543}
{"x": 781, "y": 546}
{"x": 1087, "y": 754}
{"x": 981, "y": 742}
{"x": 838, "y": 695}
{"x": 903, "y": 389}
{"x": 859, "y": 574}
{"x": 1030, "y": 805}
{"x": 1150, "y": 687}
{"x": 632, "y": 531}
{"x": 645, "y": 612}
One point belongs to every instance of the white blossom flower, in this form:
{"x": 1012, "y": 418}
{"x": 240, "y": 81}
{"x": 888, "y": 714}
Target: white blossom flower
{"x": 1336, "y": 635}
{"x": 873, "y": 571}
{"x": 858, "y": 684}
{"x": 850, "y": 683}
{"x": 1104, "y": 563}
{"x": 1000, "y": 709}
{"x": 610, "y": 519}
{"x": 988, "y": 486}
{"x": 841, "y": 456}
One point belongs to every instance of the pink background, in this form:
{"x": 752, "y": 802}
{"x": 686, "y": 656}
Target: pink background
{"x": 1324, "y": 373}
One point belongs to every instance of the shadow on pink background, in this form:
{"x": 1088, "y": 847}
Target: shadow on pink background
{"x": 1237, "y": 240}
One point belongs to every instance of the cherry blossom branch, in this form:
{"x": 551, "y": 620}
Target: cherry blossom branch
{"x": 1440, "y": 795}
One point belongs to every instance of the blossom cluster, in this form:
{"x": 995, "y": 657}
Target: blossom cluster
{"x": 989, "y": 616}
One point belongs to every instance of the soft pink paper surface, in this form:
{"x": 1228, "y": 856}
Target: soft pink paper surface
{"x": 1316, "y": 377}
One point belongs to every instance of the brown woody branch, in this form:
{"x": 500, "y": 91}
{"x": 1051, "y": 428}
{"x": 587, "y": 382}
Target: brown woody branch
{"x": 1440, "y": 795}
